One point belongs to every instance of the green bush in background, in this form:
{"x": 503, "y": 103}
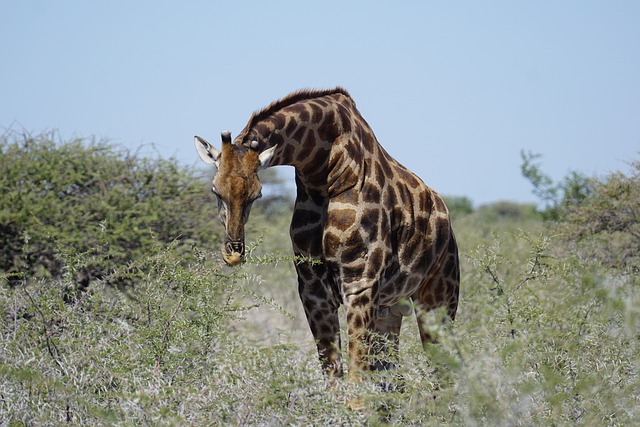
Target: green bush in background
{"x": 605, "y": 227}
{"x": 89, "y": 198}
{"x": 597, "y": 216}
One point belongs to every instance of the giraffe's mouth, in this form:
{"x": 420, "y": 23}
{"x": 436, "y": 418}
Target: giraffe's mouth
{"x": 233, "y": 252}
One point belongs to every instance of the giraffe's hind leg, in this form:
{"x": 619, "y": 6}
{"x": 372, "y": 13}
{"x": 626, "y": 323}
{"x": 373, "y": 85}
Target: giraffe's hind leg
{"x": 384, "y": 346}
{"x": 439, "y": 290}
{"x": 386, "y": 338}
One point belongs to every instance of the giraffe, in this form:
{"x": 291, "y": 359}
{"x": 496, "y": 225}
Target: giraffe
{"x": 382, "y": 236}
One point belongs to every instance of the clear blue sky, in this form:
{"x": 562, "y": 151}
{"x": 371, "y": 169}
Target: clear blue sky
{"x": 454, "y": 90}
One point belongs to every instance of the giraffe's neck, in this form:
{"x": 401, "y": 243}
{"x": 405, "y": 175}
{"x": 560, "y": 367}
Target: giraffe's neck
{"x": 317, "y": 135}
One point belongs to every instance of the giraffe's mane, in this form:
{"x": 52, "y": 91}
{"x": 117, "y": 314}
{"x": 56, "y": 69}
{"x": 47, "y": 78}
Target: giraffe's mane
{"x": 292, "y": 98}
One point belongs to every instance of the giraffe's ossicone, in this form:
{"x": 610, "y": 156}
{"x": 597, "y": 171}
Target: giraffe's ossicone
{"x": 383, "y": 238}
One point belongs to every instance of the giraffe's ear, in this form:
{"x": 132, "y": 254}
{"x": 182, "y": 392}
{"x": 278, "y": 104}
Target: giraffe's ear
{"x": 207, "y": 152}
{"x": 265, "y": 157}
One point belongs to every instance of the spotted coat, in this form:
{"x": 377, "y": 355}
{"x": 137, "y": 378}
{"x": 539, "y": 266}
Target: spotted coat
{"x": 383, "y": 238}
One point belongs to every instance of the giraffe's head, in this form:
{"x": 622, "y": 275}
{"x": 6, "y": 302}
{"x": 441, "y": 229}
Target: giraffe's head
{"x": 236, "y": 186}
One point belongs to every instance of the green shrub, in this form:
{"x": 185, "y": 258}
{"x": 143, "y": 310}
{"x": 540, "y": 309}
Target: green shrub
{"x": 58, "y": 199}
{"x": 598, "y": 217}
{"x": 137, "y": 356}
{"x": 605, "y": 226}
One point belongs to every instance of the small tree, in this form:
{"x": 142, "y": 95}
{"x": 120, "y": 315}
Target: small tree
{"x": 571, "y": 191}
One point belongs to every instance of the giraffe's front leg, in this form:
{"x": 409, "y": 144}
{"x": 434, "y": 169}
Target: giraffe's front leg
{"x": 360, "y": 323}
{"x": 322, "y": 316}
